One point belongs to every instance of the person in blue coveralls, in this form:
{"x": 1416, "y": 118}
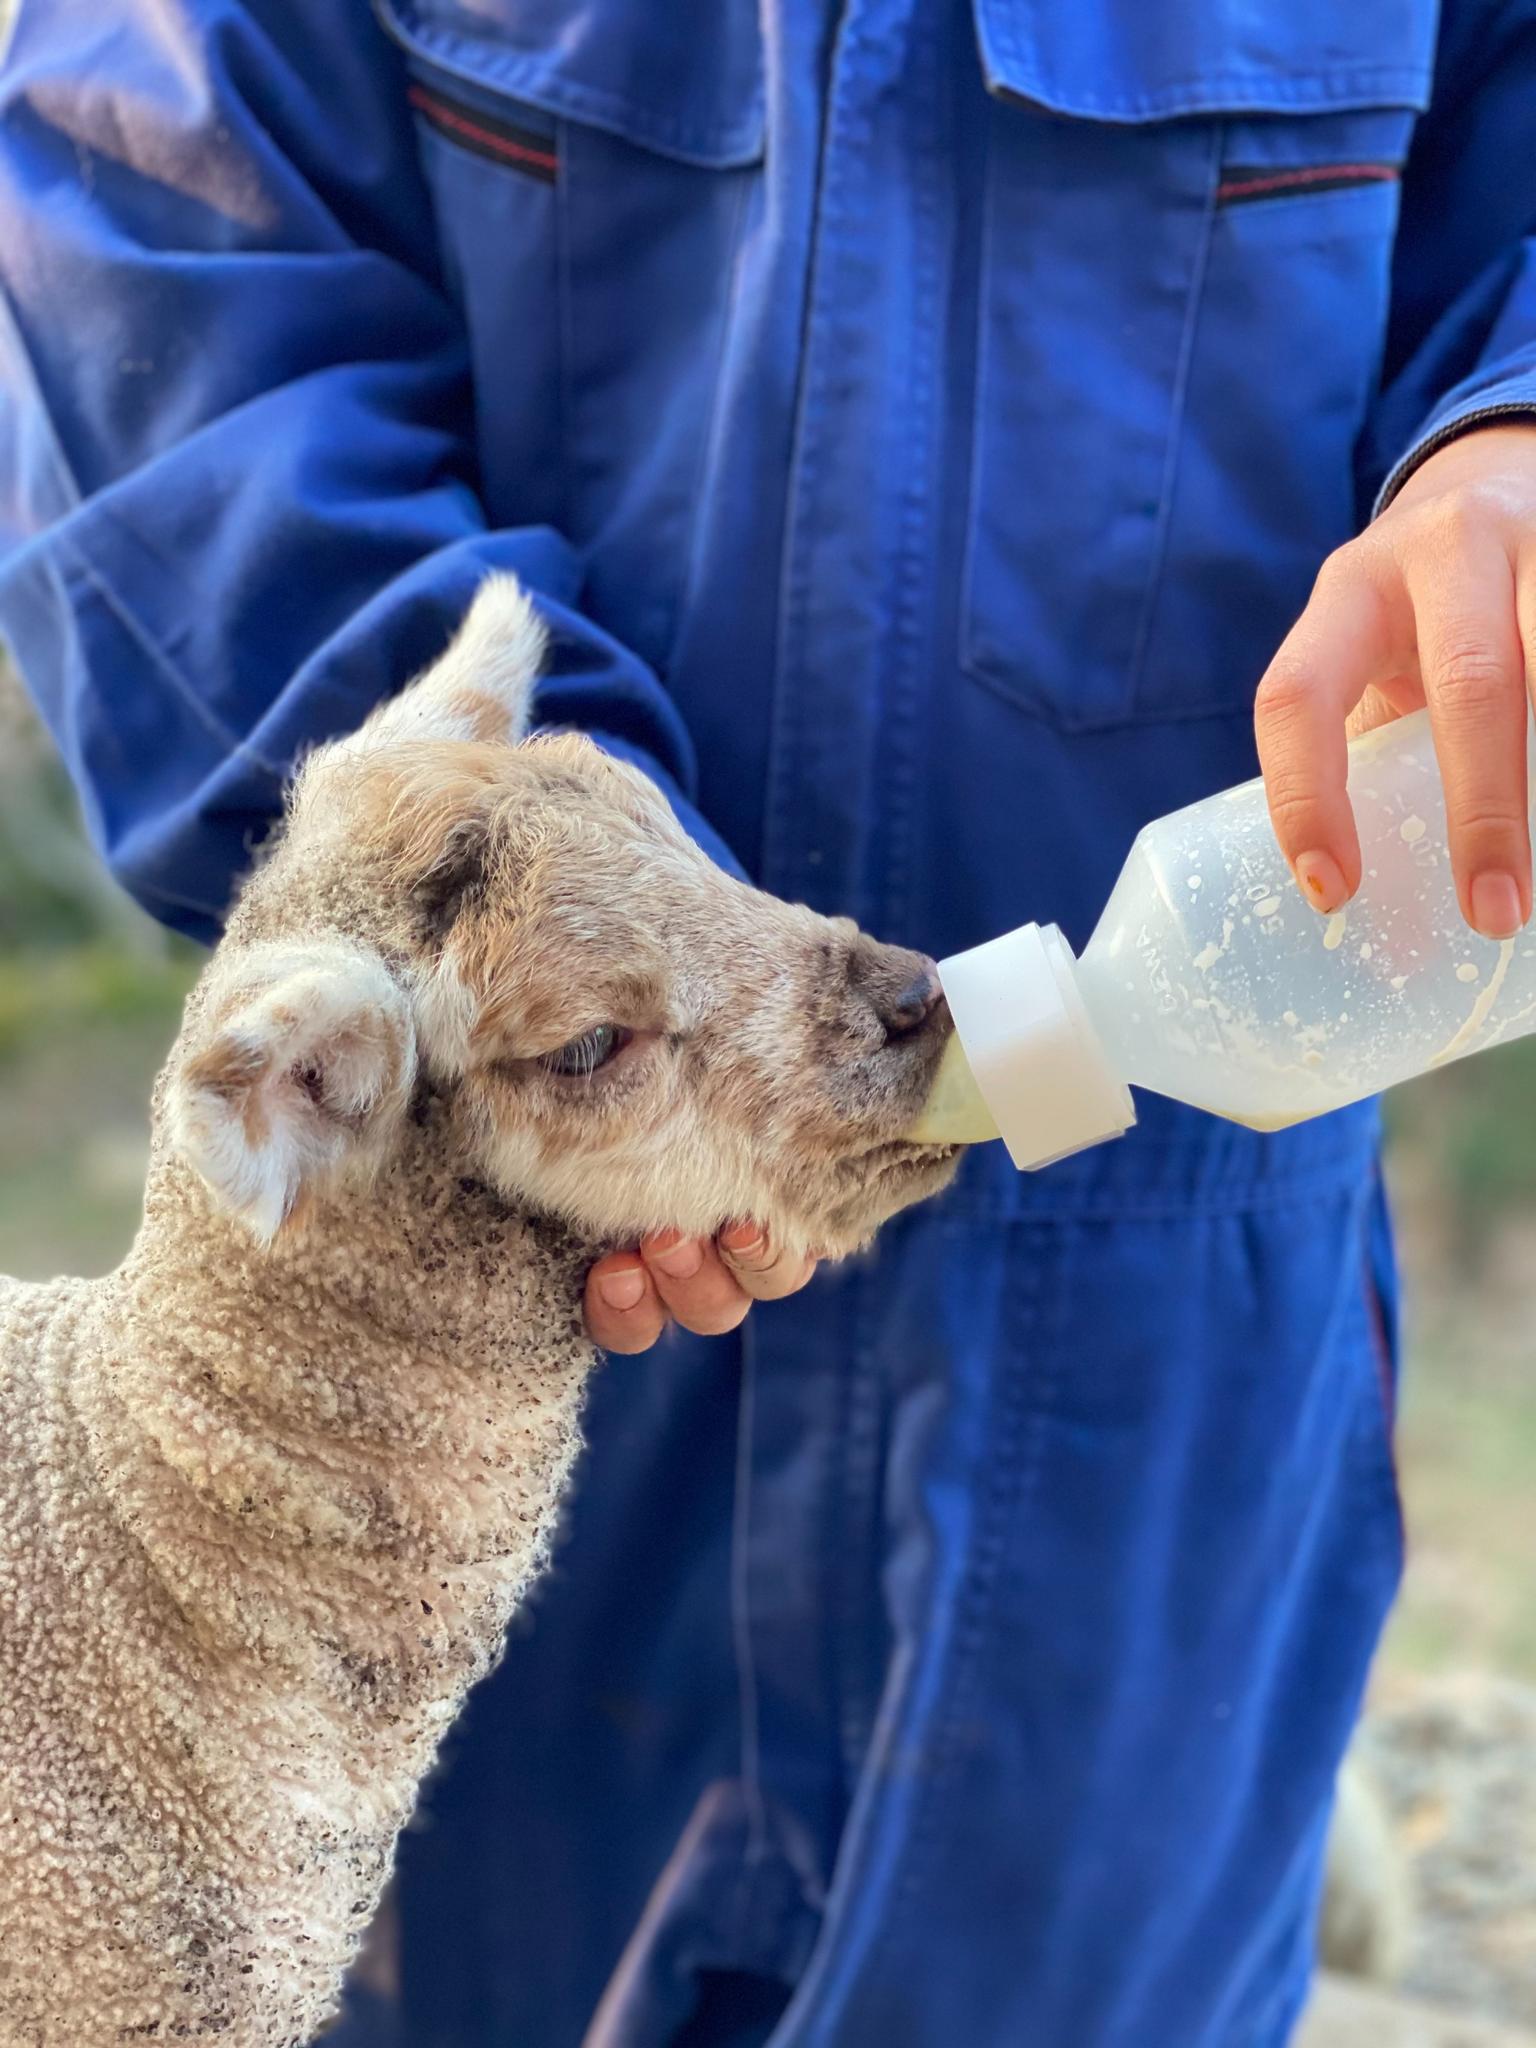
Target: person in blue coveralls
{"x": 920, "y": 421}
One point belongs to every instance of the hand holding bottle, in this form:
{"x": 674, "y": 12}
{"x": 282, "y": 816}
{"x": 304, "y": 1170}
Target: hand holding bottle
{"x": 1434, "y": 603}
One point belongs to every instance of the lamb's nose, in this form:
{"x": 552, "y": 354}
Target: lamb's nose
{"x": 908, "y": 1011}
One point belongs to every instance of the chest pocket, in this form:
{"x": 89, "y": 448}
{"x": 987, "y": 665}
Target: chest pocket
{"x": 592, "y": 163}
{"x": 1187, "y": 239}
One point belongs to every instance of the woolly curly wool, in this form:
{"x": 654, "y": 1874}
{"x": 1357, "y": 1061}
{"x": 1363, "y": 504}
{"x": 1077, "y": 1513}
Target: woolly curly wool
{"x": 270, "y": 1493}
{"x": 264, "y": 1516}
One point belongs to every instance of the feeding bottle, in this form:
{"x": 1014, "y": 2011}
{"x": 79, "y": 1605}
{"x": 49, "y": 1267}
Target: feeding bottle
{"x": 1208, "y": 978}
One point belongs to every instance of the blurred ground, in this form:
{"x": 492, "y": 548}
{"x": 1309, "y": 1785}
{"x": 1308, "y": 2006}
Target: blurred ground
{"x": 90, "y": 993}
{"x": 1344, "y": 2015}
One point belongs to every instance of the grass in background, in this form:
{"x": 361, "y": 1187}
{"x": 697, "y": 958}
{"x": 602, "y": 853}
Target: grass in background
{"x": 1462, "y": 1164}
{"x": 90, "y": 996}
{"x": 83, "y": 1031}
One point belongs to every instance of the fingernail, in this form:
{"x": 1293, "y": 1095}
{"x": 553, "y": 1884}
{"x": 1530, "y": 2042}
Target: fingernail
{"x": 1322, "y": 881}
{"x": 1496, "y": 908}
{"x": 678, "y": 1257}
{"x": 744, "y": 1240}
{"x": 621, "y": 1289}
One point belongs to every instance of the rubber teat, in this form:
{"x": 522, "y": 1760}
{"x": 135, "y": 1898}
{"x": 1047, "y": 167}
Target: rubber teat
{"x": 954, "y": 1113}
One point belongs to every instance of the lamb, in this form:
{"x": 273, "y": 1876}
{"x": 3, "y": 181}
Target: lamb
{"x": 270, "y": 1492}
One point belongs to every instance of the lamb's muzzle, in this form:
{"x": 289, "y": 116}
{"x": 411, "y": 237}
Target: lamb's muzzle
{"x": 270, "y": 1492}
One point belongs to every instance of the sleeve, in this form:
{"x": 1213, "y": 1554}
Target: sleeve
{"x": 1461, "y": 346}
{"x": 237, "y": 493}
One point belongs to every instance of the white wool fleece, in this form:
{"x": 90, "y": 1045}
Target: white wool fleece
{"x": 235, "y": 1621}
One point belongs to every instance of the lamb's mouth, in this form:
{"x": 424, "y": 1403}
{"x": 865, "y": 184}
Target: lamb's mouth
{"x": 898, "y": 1159}
{"x": 879, "y": 1181}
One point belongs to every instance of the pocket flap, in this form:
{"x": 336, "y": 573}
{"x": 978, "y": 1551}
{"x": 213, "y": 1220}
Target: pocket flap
{"x": 1128, "y": 60}
{"x": 684, "y": 79}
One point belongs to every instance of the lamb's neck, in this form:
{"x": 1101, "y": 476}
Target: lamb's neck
{"x": 344, "y": 1452}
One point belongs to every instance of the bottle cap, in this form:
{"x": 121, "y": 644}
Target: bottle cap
{"x": 1038, "y": 1062}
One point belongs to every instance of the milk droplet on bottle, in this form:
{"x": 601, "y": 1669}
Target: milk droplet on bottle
{"x": 1234, "y": 996}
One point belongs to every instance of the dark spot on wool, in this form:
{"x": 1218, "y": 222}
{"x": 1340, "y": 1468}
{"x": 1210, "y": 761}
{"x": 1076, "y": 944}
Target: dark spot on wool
{"x": 455, "y": 882}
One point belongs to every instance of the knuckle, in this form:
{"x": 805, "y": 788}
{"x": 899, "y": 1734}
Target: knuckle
{"x": 1292, "y": 803}
{"x": 1285, "y": 695}
{"x": 1342, "y": 566}
{"x": 1487, "y": 818}
{"x": 1466, "y": 516}
{"x": 1472, "y": 676}
{"x": 1438, "y": 527}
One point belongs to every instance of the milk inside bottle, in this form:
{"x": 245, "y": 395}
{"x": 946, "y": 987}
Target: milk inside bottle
{"x": 1210, "y": 980}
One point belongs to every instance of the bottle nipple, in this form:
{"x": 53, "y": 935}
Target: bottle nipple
{"x": 1033, "y": 1071}
{"x": 954, "y": 1113}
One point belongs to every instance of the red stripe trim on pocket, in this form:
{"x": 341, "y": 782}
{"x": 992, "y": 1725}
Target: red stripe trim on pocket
{"x": 486, "y": 136}
{"x": 1239, "y": 185}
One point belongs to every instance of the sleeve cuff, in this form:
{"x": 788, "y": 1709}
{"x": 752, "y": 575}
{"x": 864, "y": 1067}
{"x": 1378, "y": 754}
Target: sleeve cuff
{"x": 1505, "y": 395}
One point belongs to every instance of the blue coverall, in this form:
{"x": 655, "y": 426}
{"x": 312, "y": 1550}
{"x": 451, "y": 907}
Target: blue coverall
{"x": 920, "y": 419}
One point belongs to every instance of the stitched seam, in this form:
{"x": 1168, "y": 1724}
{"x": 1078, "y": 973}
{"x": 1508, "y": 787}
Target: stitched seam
{"x": 520, "y": 72}
{"x": 910, "y": 610}
{"x": 858, "y": 1544}
{"x": 1017, "y": 1457}
{"x": 756, "y": 1849}
{"x": 1177, "y": 407}
{"x": 972, "y": 661}
{"x": 712, "y": 440}
{"x": 1003, "y": 23}
{"x": 789, "y": 739}
{"x": 1250, "y": 95}
{"x": 565, "y": 317}
{"x": 979, "y": 663}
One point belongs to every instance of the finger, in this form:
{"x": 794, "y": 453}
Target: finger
{"x": 623, "y": 1310}
{"x": 1473, "y": 669}
{"x": 1525, "y": 621}
{"x": 760, "y": 1267}
{"x": 1356, "y": 632}
{"x": 1381, "y": 706}
{"x": 693, "y": 1284}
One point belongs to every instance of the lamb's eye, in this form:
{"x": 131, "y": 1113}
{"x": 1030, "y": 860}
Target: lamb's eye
{"x": 583, "y": 1056}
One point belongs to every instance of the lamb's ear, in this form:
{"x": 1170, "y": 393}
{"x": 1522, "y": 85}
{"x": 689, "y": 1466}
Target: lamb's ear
{"x": 481, "y": 688}
{"x": 301, "y": 1066}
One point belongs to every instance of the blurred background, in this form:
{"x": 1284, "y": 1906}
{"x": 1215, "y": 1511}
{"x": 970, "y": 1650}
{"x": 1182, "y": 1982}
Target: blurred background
{"x": 90, "y": 993}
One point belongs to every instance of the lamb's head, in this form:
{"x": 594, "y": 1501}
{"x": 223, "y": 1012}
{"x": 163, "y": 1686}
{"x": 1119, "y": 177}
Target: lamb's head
{"x": 518, "y": 933}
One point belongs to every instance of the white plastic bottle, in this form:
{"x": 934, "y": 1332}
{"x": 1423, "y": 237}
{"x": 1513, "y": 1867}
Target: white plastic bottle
{"x": 1208, "y": 978}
